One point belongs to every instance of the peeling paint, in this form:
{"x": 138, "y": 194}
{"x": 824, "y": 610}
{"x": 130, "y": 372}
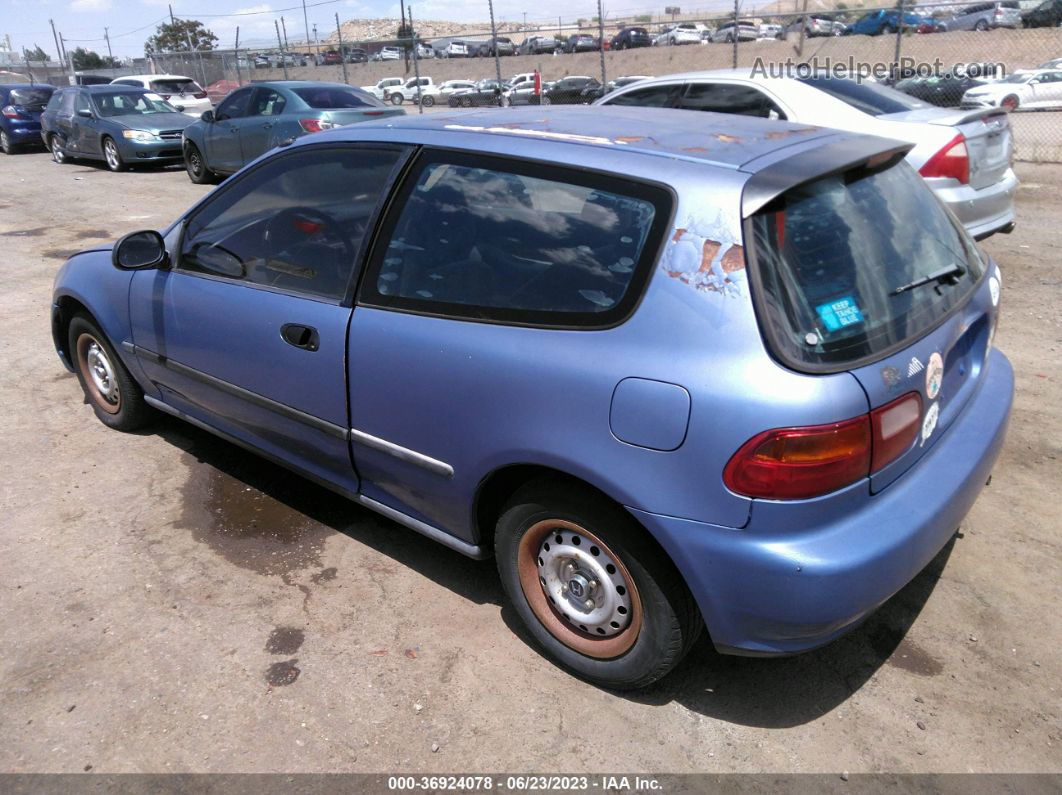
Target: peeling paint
{"x": 554, "y": 136}
{"x": 706, "y": 253}
{"x": 727, "y": 139}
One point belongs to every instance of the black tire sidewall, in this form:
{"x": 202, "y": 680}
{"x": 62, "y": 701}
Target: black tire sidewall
{"x": 666, "y": 632}
{"x": 204, "y": 177}
{"x": 134, "y": 412}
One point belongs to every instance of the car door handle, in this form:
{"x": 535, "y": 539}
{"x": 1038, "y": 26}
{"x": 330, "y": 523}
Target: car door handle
{"x": 267, "y": 125}
{"x": 234, "y": 129}
{"x": 303, "y": 337}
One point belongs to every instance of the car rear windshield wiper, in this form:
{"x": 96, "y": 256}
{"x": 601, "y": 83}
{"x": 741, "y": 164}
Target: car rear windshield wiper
{"x": 948, "y": 275}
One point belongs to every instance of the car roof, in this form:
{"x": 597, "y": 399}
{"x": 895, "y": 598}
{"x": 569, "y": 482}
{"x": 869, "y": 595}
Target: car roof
{"x": 154, "y": 77}
{"x": 12, "y": 86}
{"x": 111, "y": 88}
{"x": 716, "y": 139}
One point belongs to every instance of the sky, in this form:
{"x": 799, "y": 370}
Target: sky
{"x": 130, "y": 22}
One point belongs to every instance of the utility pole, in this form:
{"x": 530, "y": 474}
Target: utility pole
{"x": 284, "y": 28}
{"x": 494, "y": 46}
{"x": 342, "y": 54}
{"x": 316, "y": 47}
{"x": 58, "y": 50}
{"x": 239, "y": 79}
{"x": 416, "y": 63}
{"x": 280, "y": 46}
{"x": 68, "y": 63}
{"x": 306, "y": 24}
{"x": 601, "y": 40}
{"x": 110, "y": 55}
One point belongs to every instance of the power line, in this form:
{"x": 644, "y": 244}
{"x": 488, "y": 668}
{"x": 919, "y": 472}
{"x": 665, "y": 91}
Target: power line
{"x": 127, "y": 33}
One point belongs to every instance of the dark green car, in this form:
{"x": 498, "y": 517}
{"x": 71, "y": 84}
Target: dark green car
{"x": 255, "y": 118}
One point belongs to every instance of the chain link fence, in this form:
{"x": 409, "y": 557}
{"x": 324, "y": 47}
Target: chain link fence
{"x": 922, "y": 50}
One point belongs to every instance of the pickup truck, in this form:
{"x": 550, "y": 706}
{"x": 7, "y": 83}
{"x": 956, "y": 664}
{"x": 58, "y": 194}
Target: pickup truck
{"x": 427, "y": 93}
{"x": 381, "y": 89}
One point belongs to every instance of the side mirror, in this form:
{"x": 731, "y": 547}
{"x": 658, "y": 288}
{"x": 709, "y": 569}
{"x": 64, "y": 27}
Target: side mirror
{"x": 180, "y": 108}
{"x": 85, "y": 112}
{"x": 207, "y": 116}
{"x": 139, "y": 251}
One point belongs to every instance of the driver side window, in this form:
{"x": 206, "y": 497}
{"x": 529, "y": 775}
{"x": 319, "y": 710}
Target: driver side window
{"x": 296, "y": 223}
{"x": 235, "y": 105}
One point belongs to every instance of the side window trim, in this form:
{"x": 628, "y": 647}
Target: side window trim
{"x": 361, "y": 257}
{"x": 403, "y": 187}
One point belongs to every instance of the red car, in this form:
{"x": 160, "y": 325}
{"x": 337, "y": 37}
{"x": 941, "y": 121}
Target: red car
{"x": 332, "y": 58}
{"x": 219, "y": 90}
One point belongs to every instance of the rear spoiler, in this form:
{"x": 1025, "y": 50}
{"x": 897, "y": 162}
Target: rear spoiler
{"x": 814, "y": 162}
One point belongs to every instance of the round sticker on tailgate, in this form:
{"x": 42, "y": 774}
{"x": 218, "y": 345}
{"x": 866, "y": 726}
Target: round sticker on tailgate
{"x": 934, "y": 375}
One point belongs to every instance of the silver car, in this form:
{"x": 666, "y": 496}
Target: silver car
{"x": 982, "y": 16}
{"x": 964, "y": 155}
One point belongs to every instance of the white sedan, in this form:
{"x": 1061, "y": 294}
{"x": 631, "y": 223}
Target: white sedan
{"x": 175, "y": 89}
{"x": 684, "y": 33}
{"x": 1040, "y": 88}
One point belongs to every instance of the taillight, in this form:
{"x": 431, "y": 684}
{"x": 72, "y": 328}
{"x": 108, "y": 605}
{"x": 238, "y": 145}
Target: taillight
{"x": 10, "y": 112}
{"x": 316, "y": 125}
{"x": 895, "y": 427}
{"x": 166, "y": 96}
{"x": 200, "y": 95}
{"x": 952, "y": 161}
{"x": 798, "y": 463}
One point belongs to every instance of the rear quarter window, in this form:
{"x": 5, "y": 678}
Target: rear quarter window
{"x": 323, "y": 98}
{"x": 865, "y": 95}
{"x": 517, "y": 243}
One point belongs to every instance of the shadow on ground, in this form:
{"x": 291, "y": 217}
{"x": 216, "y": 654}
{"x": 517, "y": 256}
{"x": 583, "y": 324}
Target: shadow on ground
{"x": 253, "y": 506}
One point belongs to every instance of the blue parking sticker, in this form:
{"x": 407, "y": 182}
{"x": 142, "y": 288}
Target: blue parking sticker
{"x": 840, "y": 313}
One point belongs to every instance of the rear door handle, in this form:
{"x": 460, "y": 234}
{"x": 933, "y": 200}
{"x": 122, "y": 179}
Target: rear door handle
{"x": 304, "y": 337}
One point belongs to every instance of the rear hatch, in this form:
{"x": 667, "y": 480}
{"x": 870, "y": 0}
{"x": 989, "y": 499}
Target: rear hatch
{"x": 26, "y": 105}
{"x": 987, "y": 134}
{"x": 864, "y": 272}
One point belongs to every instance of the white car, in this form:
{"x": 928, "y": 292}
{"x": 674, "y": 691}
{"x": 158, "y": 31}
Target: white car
{"x": 964, "y": 155}
{"x": 381, "y": 89}
{"x": 1037, "y": 88}
{"x": 746, "y": 31}
{"x": 390, "y": 54}
{"x": 770, "y": 31}
{"x": 451, "y": 87}
{"x": 422, "y": 90}
{"x": 453, "y": 49}
{"x": 682, "y": 33}
{"x": 176, "y": 89}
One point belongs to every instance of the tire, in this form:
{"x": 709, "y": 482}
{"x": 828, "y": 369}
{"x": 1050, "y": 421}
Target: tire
{"x": 981, "y": 26}
{"x": 640, "y": 619}
{"x": 56, "y": 147}
{"x": 427, "y": 101}
{"x": 196, "y": 166}
{"x": 889, "y": 30}
{"x": 6, "y": 146}
{"x": 545, "y": 101}
{"x": 112, "y": 156}
{"x": 1010, "y": 102}
{"x": 396, "y": 99}
{"x": 115, "y": 397}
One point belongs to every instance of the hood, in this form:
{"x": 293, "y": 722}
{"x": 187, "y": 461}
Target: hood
{"x": 153, "y": 122}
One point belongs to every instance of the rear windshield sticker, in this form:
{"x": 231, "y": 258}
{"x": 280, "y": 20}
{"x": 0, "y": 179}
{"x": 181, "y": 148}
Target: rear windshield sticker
{"x": 891, "y": 376}
{"x": 934, "y": 375}
{"x": 929, "y": 424}
{"x": 914, "y": 366}
{"x": 993, "y": 289}
{"x": 840, "y": 313}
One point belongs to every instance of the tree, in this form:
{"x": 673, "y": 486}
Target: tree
{"x": 36, "y": 54}
{"x": 175, "y": 37}
{"x": 87, "y": 59}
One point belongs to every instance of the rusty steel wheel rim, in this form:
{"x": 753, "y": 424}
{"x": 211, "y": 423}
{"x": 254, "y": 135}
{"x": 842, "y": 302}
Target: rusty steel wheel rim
{"x": 579, "y": 589}
{"x": 99, "y": 374}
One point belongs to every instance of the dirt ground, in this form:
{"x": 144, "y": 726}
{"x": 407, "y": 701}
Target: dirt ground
{"x": 172, "y": 603}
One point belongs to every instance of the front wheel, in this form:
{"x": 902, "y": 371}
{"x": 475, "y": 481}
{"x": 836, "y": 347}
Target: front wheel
{"x": 114, "y": 396}
{"x": 427, "y": 101}
{"x": 981, "y": 25}
{"x": 396, "y": 99}
{"x": 196, "y": 166}
{"x": 57, "y": 150}
{"x": 1010, "y": 102}
{"x": 113, "y": 156}
{"x": 592, "y": 588}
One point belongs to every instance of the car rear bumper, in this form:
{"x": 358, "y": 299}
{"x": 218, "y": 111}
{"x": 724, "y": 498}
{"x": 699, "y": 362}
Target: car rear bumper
{"x": 765, "y": 591}
{"x": 985, "y": 210}
{"x": 22, "y": 133}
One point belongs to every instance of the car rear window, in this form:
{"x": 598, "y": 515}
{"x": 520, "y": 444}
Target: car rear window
{"x": 831, "y": 257}
{"x": 326, "y": 97}
{"x": 864, "y": 95}
{"x": 30, "y": 98}
{"x": 175, "y": 86}
{"x": 518, "y": 243}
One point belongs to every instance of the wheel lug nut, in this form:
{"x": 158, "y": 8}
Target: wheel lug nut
{"x": 592, "y": 584}
{"x": 590, "y": 604}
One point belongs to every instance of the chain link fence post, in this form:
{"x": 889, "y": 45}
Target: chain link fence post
{"x": 342, "y": 52}
{"x": 601, "y": 42}
{"x": 494, "y": 47}
{"x": 736, "y": 36}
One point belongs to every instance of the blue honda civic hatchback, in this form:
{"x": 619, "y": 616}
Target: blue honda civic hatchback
{"x": 674, "y": 375}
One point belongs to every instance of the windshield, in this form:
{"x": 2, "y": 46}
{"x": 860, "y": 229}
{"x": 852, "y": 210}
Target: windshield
{"x": 869, "y": 97}
{"x": 180, "y": 85}
{"x": 1017, "y": 79}
{"x": 323, "y": 97}
{"x": 833, "y": 254}
{"x": 31, "y": 98}
{"x": 131, "y": 103}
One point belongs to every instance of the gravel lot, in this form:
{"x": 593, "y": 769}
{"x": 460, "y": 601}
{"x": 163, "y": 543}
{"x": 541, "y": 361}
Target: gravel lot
{"x": 172, "y": 603}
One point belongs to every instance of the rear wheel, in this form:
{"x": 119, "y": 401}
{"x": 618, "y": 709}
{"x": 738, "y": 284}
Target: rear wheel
{"x": 113, "y": 156}
{"x": 57, "y": 149}
{"x": 114, "y": 396}
{"x": 427, "y": 101}
{"x": 593, "y": 590}
{"x": 981, "y": 25}
{"x": 396, "y": 99}
{"x": 6, "y": 146}
{"x": 889, "y": 30}
{"x": 1010, "y": 102}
